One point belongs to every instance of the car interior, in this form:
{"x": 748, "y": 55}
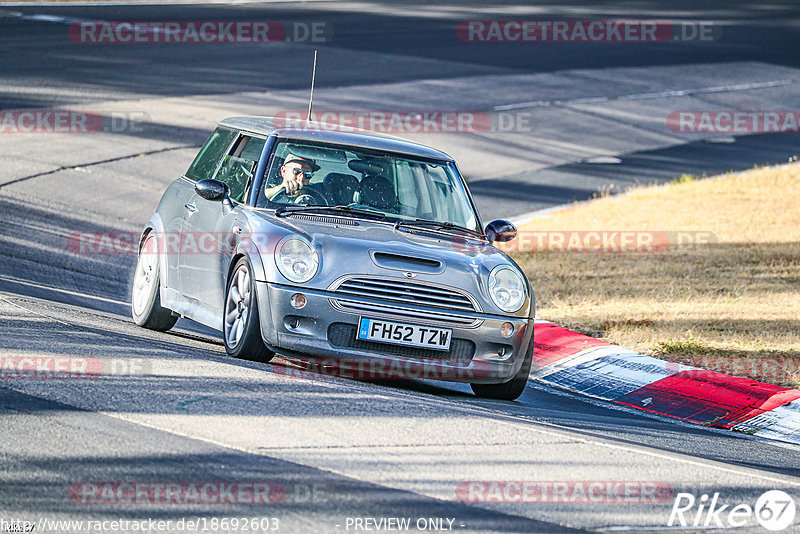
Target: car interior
{"x": 362, "y": 180}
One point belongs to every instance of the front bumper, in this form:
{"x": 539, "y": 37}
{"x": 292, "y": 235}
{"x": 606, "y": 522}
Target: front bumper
{"x": 322, "y": 329}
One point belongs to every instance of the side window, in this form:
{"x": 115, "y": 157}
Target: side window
{"x": 238, "y": 166}
{"x": 206, "y": 161}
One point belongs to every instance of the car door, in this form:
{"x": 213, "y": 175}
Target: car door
{"x": 172, "y": 210}
{"x": 213, "y": 225}
{"x": 204, "y": 166}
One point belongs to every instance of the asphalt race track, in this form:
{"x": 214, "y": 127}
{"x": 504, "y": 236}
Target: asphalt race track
{"x": 175, "y": 409}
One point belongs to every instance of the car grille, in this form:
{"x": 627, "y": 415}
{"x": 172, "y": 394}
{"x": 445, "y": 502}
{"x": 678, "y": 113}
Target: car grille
{"x": 344, "y": 335}
{"x": 390, "y": 297}
{"x": 403, "y": 292}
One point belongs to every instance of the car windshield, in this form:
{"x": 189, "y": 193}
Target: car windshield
{"x": 401, "y": 187}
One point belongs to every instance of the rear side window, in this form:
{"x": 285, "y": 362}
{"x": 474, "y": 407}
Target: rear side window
{"x": 207, "y": 159}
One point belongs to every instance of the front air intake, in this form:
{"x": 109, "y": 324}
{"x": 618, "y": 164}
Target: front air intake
{"x": 388, "y": 260}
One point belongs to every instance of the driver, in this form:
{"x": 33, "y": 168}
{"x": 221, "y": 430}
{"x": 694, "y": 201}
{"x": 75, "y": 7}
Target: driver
{"x": 296, "y": 173}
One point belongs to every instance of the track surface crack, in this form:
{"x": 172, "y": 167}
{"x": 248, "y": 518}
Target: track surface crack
{"x": 93, "y": 163}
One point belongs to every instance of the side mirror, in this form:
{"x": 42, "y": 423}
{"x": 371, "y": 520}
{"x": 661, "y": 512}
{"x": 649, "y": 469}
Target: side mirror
{"x": 500, "y": 231}
{"x": 211, "y": 189}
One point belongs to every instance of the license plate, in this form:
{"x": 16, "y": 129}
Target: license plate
{"x": 404, "y": 334}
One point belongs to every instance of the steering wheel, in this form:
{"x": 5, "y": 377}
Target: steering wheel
{"x": 307, "y": 195}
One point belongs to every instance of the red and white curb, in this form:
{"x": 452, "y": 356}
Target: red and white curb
{"x": 583, "y": 364}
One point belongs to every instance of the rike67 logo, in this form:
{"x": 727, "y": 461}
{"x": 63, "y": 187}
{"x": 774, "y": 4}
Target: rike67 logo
{"x": 774, "y": 510}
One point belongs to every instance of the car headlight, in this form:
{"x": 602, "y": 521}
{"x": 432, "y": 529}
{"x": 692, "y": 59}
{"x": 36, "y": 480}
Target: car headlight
{"x": 296, "y": 259}
{"x": 507, "y": 288}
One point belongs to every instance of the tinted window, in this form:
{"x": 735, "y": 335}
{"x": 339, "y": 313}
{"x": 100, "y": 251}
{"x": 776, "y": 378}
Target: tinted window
{"x": 238, "y": 167}
{"x": 207, "y": 159}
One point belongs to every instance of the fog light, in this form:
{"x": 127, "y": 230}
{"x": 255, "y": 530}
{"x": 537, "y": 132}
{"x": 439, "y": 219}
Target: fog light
{"x": 501, "y": 351}
{"x": 507, "y": 330}
{"x": 298, "y": 301}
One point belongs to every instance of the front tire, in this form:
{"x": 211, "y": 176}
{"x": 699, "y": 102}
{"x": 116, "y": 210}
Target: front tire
{"x": 510, "y": 390}
{"x": 241, "y": 325}
{"x": 146, "y": 308}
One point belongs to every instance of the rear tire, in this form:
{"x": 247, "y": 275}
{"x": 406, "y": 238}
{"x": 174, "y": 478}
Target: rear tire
{"x": 146, "y": 308}
{"x": 510, "y": 390}
{"x": 241, "y": 325}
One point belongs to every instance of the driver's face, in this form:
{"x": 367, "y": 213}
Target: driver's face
{"x": 296, "y": 174}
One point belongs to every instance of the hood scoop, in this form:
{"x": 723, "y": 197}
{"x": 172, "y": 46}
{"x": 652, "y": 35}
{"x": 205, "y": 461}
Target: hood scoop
{"x": 403, "y": 262}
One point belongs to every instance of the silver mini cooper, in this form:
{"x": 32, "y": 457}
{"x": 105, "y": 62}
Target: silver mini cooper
{"x": 358, "y": 250}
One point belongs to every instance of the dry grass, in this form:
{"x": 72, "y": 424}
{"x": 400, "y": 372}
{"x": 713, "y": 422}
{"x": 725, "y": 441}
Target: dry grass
{"x": 732, "y": 305}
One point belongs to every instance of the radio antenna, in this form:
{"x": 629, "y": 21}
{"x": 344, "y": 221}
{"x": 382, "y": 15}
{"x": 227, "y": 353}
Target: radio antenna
{"x": 311, "y": 96}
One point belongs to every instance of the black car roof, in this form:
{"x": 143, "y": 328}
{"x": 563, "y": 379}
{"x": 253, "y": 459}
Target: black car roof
{"x": 356, "y": 138}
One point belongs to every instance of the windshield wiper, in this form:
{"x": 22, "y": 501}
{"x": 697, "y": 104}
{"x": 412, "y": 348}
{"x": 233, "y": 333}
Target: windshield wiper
{"x": 344, "y": 210}
{"x": 438, "y": 225}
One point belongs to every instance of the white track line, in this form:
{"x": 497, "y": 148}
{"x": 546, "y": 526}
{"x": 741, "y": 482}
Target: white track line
{"x": 647, "y": 96}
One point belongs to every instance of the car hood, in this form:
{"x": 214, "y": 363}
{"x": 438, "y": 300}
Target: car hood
{"x": 362, "y": 247}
